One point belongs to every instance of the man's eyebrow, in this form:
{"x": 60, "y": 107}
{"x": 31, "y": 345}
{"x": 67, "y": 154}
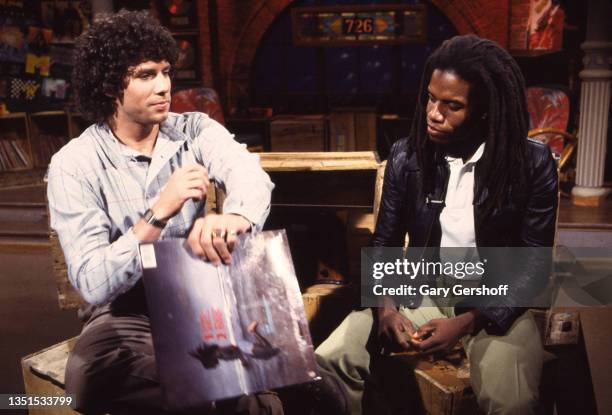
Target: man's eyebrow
{"x": 450, "y": 101}
{"x": 144, "y": 71}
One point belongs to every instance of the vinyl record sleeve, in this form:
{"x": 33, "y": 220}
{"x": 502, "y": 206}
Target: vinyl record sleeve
{"x": 221, "y": 332}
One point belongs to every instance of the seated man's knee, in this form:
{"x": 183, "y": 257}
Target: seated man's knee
{"x": 265, "y": 403}
{"x": 523, "y": 404}
{"x": 79, "y": 386}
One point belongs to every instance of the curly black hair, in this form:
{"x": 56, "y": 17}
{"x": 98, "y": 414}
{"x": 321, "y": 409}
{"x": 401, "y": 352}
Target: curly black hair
{"x": 104, "y": 54}
{"x": 498, "y": 95}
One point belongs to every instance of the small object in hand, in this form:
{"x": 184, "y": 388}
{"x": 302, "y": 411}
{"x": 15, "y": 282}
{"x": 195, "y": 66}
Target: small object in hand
{"x": 419, "y": 336}
{"x": 218, "y": 233}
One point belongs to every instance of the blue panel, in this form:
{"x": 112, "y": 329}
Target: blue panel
{"x": 341, "y": 69}
{"x": 414, "y": 56}
{"x": 376, "y": 69}
{"x": 301, "y": 69}
{"x": 438, "y": 25}
{"x": 280, "y": 68}
{"x": 268, "y": 71}
{"x": 413, "y": 60}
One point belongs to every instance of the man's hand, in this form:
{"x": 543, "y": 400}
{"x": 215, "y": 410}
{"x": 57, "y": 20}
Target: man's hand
{"x": 212, "y": 237}
{"x": 394, "y": 329}
{"x": 441, "y": 334}
{"x": 189, "y": 182}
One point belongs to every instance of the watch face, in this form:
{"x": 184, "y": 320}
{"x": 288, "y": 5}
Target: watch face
{"x": 148, "y": 215}
{"x": 150, "y": 218}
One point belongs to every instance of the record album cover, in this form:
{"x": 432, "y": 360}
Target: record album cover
{"x": 222, "y": 332}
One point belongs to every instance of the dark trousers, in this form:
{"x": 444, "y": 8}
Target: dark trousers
{"x": 112, "y": 369}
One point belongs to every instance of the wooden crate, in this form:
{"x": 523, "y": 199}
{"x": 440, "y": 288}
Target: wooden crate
{"x": 43, "y": 375}
{"x": 342, "y": 131}
{"x": 298, "y": 133}
{"x": 339, "y": 185}
{"x": 360, "y": 229}
{"x": 352, "y": 129}
{"x": 413, "y": 384}
{"x": 325, "y": 306}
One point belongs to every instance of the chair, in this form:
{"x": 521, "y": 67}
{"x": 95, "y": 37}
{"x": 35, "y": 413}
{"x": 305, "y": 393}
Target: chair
{"x": 549, "y": 115}
{"x": 203, "y": 100}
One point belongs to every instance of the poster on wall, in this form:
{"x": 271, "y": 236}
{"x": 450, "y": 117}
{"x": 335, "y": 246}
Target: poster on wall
{"x": 13, "y": 46}
{"x": 187, "y": 68}
{"x": 545, "y": 25}
{"x": 67, "y": 19}
{"x": 178, "y": 15}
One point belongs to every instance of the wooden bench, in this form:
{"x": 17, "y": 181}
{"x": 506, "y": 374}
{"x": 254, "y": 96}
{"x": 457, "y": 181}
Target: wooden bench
{"x": 43, "y": 375}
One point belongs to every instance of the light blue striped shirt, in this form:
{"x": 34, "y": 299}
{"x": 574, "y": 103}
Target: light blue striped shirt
{"x": 98, "y": 189}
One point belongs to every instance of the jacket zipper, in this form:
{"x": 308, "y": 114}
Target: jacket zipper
{"x": 440, "y": 204}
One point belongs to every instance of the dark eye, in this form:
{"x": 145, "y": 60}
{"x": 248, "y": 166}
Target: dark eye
{"x": 144, "y": 76}
{"x": 431, "y": 98}
{"x": 455, "y": 107}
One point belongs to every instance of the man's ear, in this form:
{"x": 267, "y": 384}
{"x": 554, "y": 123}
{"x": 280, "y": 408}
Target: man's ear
{"x": 118, "y": 98}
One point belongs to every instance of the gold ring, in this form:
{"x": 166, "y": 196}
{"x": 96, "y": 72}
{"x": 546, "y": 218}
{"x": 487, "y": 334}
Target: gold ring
{"x": 218, "y": 233}
{"x": 232, "y": 233}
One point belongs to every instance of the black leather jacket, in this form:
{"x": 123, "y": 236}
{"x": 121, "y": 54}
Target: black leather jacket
{"x": 525, "y": 220}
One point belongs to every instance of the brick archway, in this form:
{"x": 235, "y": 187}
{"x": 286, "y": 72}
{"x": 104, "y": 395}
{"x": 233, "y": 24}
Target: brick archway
{"x": 260, "y": 20}
{"x": 479, "y": 17}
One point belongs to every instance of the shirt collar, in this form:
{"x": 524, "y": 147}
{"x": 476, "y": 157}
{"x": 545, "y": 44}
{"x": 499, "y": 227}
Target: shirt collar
{"x": 167, "y": 133}
{"x": 475, "y": 157}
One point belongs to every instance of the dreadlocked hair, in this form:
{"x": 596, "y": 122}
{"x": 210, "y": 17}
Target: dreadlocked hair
{"x": 104, "y": 54}
{"x": 497, "y": 89}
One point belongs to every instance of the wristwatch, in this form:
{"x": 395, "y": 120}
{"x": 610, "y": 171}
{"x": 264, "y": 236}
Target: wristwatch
{"x": 150, "y": 218}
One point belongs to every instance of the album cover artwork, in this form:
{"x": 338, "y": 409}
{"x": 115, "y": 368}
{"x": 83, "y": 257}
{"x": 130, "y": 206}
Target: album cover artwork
{"x": 178, "y": 14}
{"x": 230, "y": 330}
{"x": 187, "y": 67}
{"x": 13, "y": 45}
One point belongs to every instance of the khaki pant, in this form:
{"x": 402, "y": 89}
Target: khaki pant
{"x": 505, "y": 370}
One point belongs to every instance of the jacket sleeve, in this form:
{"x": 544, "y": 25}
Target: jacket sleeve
{"x": 537, "y": 229}
{"x": 390, "y": 224}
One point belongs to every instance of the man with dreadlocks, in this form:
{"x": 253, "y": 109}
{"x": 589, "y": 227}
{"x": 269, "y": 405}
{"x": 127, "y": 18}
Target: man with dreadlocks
{"x": 468, "y": 152}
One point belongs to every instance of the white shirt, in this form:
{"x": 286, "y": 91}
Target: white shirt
{"x": 457, "y": 216}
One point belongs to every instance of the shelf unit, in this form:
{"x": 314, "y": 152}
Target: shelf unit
{"x": 15, "y": 128}
{"x": 48, "y": 133}
{"x": 33, "y": 138}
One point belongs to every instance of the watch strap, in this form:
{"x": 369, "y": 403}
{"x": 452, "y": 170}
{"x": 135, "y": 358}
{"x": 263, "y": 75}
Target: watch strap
{"x": 150, "y": 218}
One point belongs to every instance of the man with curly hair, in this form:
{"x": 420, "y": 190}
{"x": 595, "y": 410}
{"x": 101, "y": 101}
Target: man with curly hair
{"x": 138, "y": 174}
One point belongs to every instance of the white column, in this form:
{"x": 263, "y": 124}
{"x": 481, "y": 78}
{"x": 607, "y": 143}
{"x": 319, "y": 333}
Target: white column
{"x": 593, "y": 123}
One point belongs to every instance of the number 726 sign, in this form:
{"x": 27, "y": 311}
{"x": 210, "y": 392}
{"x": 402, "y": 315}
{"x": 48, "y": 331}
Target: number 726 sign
{"x": 351, "y": 25}
{"x": 358, "y": 25}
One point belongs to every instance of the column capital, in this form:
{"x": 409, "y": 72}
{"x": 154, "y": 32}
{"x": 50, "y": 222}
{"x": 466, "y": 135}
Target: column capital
{"x": 597, "y": 55}
{"x": 595, "y": 74}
